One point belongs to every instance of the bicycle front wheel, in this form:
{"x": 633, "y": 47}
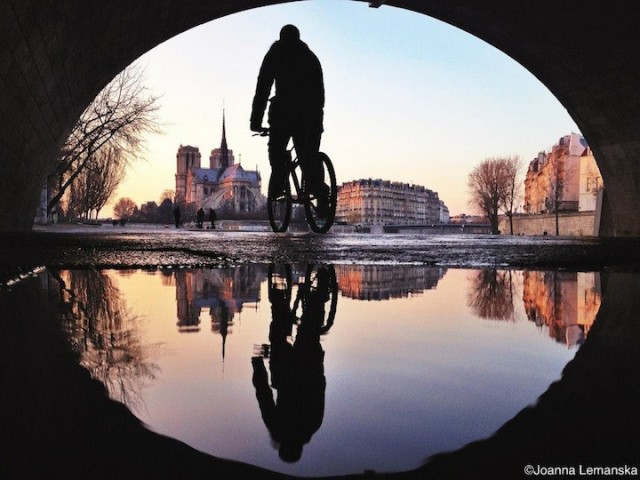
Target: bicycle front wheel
{"x": 279, "y": 204}
{"x": 320, "y": 207}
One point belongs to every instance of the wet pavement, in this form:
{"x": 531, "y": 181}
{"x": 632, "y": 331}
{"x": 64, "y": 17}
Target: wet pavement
{"x": 156, "y": 247}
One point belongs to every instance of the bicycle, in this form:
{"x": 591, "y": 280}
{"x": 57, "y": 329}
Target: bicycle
{"x": 280, "y": 198}
{"x": 317, "y": 291}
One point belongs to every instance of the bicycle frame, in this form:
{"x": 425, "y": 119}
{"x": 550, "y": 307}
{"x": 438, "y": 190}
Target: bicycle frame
{"x": 293, "y": 164}
{"x": 281, "y": 196}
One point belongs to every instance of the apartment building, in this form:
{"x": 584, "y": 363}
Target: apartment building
{"x": 567, "y": 177}
{"x": 383, "y": 202}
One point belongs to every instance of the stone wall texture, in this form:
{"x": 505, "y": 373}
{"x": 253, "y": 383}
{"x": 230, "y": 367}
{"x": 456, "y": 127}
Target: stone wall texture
{"x": 570, "y": 224}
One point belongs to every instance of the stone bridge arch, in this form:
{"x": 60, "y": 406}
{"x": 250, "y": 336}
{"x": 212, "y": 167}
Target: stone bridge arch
{"x": 56, "y": 56}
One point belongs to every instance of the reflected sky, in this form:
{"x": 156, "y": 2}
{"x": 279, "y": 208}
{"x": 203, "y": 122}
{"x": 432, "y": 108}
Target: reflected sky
{"x": 418, "y": 360}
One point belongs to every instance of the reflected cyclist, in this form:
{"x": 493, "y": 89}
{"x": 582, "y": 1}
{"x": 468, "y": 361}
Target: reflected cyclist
{"x": 297, "y": 370}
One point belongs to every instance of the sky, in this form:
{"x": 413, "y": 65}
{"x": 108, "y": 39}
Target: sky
{"x": 408, "y": 98}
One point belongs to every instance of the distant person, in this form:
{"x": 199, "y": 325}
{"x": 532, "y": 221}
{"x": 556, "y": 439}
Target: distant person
{"x": 212, "y": 218}
{"x": 176, "y": 216}
{"x": 200, "y": 217}
{"x": 296, "y": 110}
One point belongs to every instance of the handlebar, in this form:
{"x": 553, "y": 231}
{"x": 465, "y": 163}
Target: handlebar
{"x": 263, "y": 133}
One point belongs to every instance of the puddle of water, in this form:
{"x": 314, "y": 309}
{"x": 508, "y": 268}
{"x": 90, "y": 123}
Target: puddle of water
{"x": 327, "y": 370}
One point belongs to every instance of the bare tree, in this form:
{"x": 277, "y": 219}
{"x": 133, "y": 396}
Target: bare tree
{"x": 490, "y": 184}
{"x": 118, "y": 118}
{"x": 96, "y": 183}
{"x": 559, "y": 174}
{"x": 124, "y": 208}
{"x": 513, "y": 192}
{"x": 167, "y": 194}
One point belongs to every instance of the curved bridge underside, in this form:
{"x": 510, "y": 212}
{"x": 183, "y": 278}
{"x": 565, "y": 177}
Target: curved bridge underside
{"x": 56, "y": 56}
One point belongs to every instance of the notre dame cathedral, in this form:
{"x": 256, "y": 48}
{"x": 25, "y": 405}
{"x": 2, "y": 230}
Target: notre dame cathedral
{"x": 225, "y": 185}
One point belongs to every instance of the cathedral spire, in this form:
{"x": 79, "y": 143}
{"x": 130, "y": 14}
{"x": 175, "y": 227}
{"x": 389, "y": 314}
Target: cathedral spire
{"x": 224, "y": 150}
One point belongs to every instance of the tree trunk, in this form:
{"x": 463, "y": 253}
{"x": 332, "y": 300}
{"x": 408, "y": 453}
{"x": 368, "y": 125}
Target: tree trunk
{"x": 495, "y": 224}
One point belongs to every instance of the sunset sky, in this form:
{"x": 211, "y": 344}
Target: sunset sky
{"x": 408, "y": 98}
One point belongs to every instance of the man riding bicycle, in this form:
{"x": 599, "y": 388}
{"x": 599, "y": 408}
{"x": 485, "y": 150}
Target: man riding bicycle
{"x": 296, "y": 110}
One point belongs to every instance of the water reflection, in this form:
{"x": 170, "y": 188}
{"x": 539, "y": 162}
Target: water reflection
{"x": 297, "y": 366}
{"x": 330, "y": 395}
{"x": 565, "y": 302}
{"x": 105, "y": 333}
{"x": 223, "y": 292}
{"x": 491, "y": 294}
{"x": 383, "y": 282}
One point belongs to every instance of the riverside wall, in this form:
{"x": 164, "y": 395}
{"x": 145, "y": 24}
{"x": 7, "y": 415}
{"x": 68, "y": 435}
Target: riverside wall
{"x": 572, "y": 223}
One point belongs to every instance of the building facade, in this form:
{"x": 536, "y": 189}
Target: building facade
{"x": 384, "y": 282}
{"x": 382, "y": 202}
{"x": 565, "y": 302}
{"x": 567, "y": 177}
{"x": 225, "y": 185}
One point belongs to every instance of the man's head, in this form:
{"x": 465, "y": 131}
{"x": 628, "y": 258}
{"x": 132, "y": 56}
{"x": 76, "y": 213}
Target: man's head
{"x": 289, "y": 33}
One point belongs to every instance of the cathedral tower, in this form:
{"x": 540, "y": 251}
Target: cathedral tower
{"x": 187, "y": 158}
{"x": 222, "y": 157}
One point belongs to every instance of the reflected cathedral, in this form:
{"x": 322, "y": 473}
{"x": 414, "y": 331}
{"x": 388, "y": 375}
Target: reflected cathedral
{"x": 223, "y": 292}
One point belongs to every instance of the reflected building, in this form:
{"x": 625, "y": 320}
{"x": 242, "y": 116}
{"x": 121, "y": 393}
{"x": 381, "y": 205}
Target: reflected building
{"x": 383, "y": 282}
{"x": 565, "y": 302}
{"x": 223, "y": 292}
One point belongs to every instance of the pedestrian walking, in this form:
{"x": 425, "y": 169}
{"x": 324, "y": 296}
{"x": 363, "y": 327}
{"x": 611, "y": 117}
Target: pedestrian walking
{"x": 200, "y": 218}
{"x": 212, "y": 218}
{"x": 176, "y": 216}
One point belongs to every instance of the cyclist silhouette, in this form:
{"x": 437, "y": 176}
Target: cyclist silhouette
{"x": 297, "y": 109}
{"x": 297, "y": 370}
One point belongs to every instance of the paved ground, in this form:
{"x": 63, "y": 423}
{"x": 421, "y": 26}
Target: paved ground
{"x": 156, "y": 247}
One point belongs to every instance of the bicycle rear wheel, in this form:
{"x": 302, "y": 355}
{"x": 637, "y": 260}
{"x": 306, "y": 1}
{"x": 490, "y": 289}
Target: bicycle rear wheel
{"x": 279, "y": 204}
{"x": 320, "y": 208}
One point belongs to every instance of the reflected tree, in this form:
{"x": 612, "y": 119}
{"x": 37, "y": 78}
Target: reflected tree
{"x": 105, "y": 334}
{"x": 491, "y": 294}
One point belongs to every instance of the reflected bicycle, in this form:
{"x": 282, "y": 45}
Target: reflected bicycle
{"x": 319, "y": 281}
